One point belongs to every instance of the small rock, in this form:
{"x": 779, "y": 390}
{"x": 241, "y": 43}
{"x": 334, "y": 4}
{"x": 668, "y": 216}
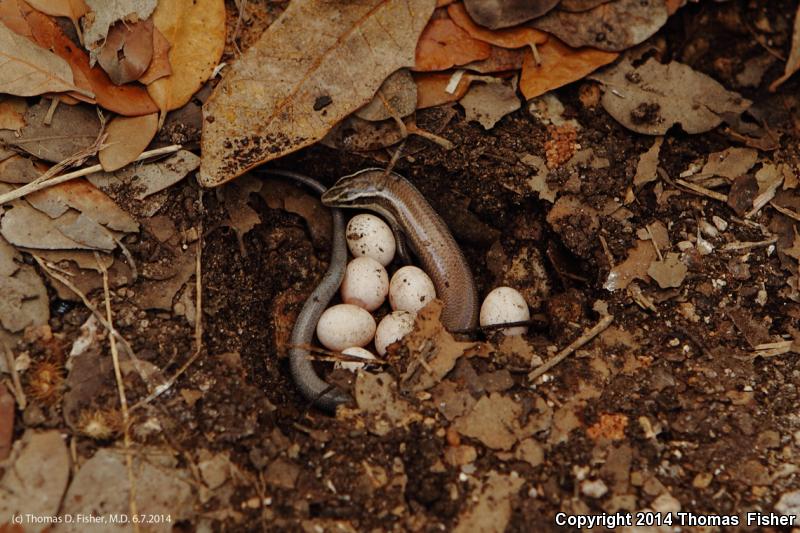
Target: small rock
{"x": 594, "y": 489}
{"x": 720, "y": 223}
{"x": 666, "y": 503}
{"x": 460, "y": 455}
{"x": 789, "y": 504}
{"x": 702, "y": 480}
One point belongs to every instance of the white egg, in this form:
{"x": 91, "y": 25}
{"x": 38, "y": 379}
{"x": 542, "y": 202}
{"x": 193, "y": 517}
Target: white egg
{"x": 392, "y": 328}
{"x": 502, "y": 305}
{"x": 365, "y": 283}
{"x": 368, "y": 235}
{"x": 354, "y": 351}
{"x": 344, "y": 326}
{"x": 410, "y": 289}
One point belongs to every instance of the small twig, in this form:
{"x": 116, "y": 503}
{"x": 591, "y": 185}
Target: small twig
{"x": 607, "y": 250}
{"x": 702, "y": 191}
{"x": 653, "y": 241}
{"x": 19, "y": 392}
{"x": 40, "y": 184}
{"x": 784, "y": 211}
{"x": 747, "y": 245}
{"x": 48, "y": 118}
{"x": 577, "y": 343}
{"x": 126, "y": 418}
{"x": 71, "y": 286}
{"x": 536, "y": 57}
{"x": 198, "y": 273}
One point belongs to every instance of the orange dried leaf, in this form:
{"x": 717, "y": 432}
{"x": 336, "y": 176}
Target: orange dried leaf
{"x": 128, "y": 100}
{"x": 127, "y": 139}
{"x": 559, "y": 66}
{"x": 499, "y": 60}
{"x": 516, "y": 37}
{"x": 443, "y": 45}
{"x": 431, "y": 88}
{"x": 72, "y": 9}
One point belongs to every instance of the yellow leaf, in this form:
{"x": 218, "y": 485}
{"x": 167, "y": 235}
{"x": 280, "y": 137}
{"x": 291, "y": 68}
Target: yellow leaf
{"x": 196, "y": 31}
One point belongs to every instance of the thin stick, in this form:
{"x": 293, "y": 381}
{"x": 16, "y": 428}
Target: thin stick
{"x": 577, "y": 343}
{"x": 740, "y": 245}
{"x": 37, "y": 186}
{"x": 19, "y": 392}
{"x": 71, "y": 286}
{"x": 702, "y": 191}
{"x": 126, "y": 418}
{"x": 198, "y": 317}
{"x": 784, "y": 211}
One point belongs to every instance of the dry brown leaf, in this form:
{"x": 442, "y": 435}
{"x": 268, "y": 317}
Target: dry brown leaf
{"x": 196, "y": 32}
{"x": 793, "y": 63}
{"x": 670, "y": 272}
{"x": 490, "y": 505}
{"x": 30, "y": 228}
{"x": 487, "y": 103}
{"x": 72, "y": 9}
{"x": 559, "y": 66}
{"x": 82, "y": 196}
{"x": 647, "y": 165}
{"x": 613, "y": 26}
{"x": 73, "y": 128}
{"x": 12, "y": 113}
{"x": 128, "y": 100}
{"x": 434, "y": 350}
{"x": 280, "y": 97}
{"x": 29, "y": 70}
{"x": 127, "y": 51}
{"x": 444, "y": 44}
{"x": 518, "y": 37}
{"x": 355, "y": 134}
{"x": 24, "y": 301}
{"x": 398, "y": 91}
{"x": 634, "y": 267}
{"x": 147, "y": 179}
{"x": 496, "y": 421}
{"x": 651, "y": 98}
{"x": 731, "y": 162}
{"x": 495, "y": 14}
{"x": 104, "y": 13}
{"x": 18, "y": 169}
{"x": 377, "y": 396}
{"x": 127, "y": 139}
{"x": 159, "y": 66}
{"x": 39, "y": 476}
{"x": 12, "y": 14}
{"x": 432, "y": 88}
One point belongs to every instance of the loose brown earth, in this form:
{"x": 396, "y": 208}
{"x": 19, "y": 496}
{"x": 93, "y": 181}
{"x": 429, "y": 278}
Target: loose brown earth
{"x": 703, "y": 420}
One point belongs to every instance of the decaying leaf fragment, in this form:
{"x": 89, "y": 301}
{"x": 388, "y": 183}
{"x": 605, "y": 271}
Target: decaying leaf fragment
{"x": 487, "y": 103}
{"x": 613, "y": 26}
{"x": 495, "y": 14}
{"x": 104, "y": 13}
{"x": 669, "y": 272}
{"x": 640, "y": 257}
{"x": 196, "y": 33}
{"x": 284, "y": 94}
{"x": 377, "y": 396}
{"x": 490, "y": 506}
{"x": 559, "y": 65}
{"x": 653, "y": 97}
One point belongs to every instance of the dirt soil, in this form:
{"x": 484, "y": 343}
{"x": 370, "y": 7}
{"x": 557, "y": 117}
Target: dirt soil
{"x": 668, "y": 406}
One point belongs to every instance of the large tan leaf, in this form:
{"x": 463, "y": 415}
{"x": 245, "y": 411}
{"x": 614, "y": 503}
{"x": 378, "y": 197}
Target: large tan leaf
{"x": 29, "y": 70}
{"x": 196, "y": 31}
{"x": 316, "y": 64}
